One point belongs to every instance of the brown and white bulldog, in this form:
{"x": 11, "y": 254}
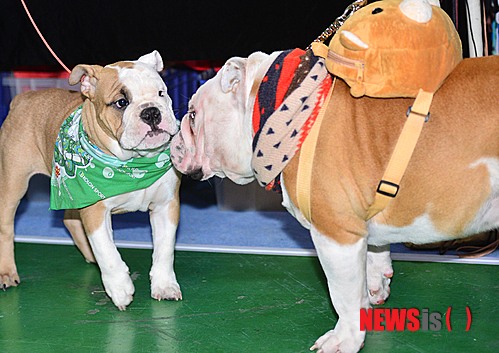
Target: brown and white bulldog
{"x": 450, "y": 189}
{"x": 126, "y": 116}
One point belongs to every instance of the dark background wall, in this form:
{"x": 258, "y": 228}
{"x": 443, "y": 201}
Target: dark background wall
{"x": 104, "y": 31}
{"x": 110, "y": 30}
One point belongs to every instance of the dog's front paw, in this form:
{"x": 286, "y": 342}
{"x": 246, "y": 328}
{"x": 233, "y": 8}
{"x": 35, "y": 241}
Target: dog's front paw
{"x": 342, "y": 339}
{"x": 119, "y": 287}
{"x": 169, "y": 291}
{"x": 164, "y": 287}
{"x": 8, "y": 277}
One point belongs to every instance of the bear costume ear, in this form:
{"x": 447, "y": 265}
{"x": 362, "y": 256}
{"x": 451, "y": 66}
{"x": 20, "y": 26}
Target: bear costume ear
{"x": 418, "y": 10}
{"x": 232, "y": 74}
{"x": 153, "y": 59}
{"x": 88, "y": 75}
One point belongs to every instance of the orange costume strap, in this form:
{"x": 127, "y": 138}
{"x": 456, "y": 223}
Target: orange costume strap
{"x": 401, "y": 155}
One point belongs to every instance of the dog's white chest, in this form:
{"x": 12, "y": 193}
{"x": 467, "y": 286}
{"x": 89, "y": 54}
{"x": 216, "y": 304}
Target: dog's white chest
{"x": 140, "y": 200}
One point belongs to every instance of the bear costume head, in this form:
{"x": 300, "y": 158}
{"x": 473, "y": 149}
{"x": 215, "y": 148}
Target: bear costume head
{"x": 393, "y": 48}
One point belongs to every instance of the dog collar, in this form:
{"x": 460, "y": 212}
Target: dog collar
{"x": 82, "y": 174}
{"x": 288, "y": 101}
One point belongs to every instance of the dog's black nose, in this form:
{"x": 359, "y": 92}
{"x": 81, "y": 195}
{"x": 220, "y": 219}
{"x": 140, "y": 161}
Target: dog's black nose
{"x": 196, "y": 174}
{"x": 151, "y": 116}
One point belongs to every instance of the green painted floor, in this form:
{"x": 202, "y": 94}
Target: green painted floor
{"x": 232, "y": 303}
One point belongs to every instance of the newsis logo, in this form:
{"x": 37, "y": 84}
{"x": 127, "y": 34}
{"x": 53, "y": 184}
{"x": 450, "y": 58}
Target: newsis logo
{"x": 412, "y": 319}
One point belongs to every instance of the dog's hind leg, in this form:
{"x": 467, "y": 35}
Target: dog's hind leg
{"x": 8, "y": 270}
{"x": 13, "y": 185}
{"x": 379, "y": 273}
{"x": 73, "y": 224}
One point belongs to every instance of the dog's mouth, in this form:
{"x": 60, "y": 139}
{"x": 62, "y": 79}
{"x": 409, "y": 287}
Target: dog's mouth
{"x": 152, "y": 140}
{"x": 155, "y": 136}
{"x": 155, "y": 132}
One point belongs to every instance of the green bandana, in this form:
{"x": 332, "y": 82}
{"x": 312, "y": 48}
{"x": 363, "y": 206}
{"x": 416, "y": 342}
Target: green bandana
{"x": 82, "y": 174}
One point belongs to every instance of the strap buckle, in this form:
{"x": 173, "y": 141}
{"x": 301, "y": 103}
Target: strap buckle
{"x": 426, "y": 117}
{"x": 387, "y": 188}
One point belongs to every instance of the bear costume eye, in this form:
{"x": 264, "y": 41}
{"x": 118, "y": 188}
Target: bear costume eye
{"x": 377, "y": 10}
{"x": 161, "y": 93}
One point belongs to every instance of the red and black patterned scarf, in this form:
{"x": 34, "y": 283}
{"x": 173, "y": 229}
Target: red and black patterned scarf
{"x": 288, "y": 101}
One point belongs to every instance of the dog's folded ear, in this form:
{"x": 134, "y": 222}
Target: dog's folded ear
{"x": 232, "y": 74}
{"x": 88, "y": 75}
{"x": 154, "y": 59}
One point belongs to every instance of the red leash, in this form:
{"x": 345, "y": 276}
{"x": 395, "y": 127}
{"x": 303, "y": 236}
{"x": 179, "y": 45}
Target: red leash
{"x": 43, "y": 39}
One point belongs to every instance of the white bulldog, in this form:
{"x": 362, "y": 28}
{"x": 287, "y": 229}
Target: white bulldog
{"x": 450, "y": 189}
{"x": 111, "y": 156}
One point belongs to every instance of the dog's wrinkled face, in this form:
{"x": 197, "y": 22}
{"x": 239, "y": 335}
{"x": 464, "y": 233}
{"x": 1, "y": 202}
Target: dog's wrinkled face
{"x": 215, "y": 136}
{"x": 130, "y": 104}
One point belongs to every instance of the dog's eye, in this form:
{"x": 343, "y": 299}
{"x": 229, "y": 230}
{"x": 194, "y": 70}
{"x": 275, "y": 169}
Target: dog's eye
{"x": 121, "y": 103}
{"x": 377, "y": 10}
{"x": 192, "y": 116}
{"x": 161, "y": 93}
